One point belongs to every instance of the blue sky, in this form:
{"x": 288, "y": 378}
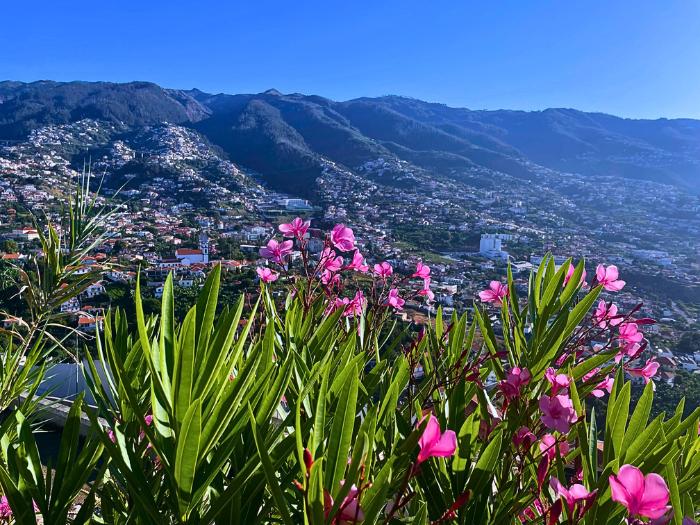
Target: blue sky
{"x": 630, "y": 58}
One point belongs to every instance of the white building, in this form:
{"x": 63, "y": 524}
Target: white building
{"x": 25, "y": 234}
{"x": 191, "y": 256}
{"x": 490, "y": 245}
{"x": 94, "y": 290}
{"x": 295, "y": 204}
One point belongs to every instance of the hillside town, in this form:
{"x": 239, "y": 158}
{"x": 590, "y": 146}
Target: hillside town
{"x": 182, "y": 207}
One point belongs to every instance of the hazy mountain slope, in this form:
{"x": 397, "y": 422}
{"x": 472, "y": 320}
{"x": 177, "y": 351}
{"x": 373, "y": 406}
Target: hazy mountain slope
{"x": 255, "y": 135}
{"x": 287, "y": 138}
{"x": 27, "y": 106}
{"x": 564, "y": 139}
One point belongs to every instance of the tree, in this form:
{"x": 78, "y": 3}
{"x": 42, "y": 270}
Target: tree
{"x": 10, "y": 246}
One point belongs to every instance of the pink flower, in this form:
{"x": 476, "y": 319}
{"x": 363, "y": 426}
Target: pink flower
{"x": 632, "y": 351}
{"x": 349, "y": 511}
{"x": 642, "y": 496}
{"x": 558, "y": 412}
{"x": 434, "y": 444}
{"x": 608, "y": 277}
{"x": 574, "y": 495}
{"x": 558, "y": 381}
{"x": 297, "y": 228}
{"x": 329, "y": 278}
{"x": 422, "y": 271}
{"x": 358, "y": 263}
{"x": 394, "y": 300}
{"x": 604, "y": 386}
{"x": 426, "y": 291}
{"x": 629, "y": 333}
{"x": 343, "y": 238}
{"x": 352, "y": 307}
{"x": 266, "y": 275}
{"x": 5, "y": 510}
{"x": 647, "y": 371}
{"x": 148, "y": 419}
{"x": 590, "y": 375}
{"x": 383, "y": 270}
{"x": 549, "y": 447}
{"x": 604, "y": 315}
{"x": 570, "y": 274}
{"x": 329, "y": 261}
{"x": 495, "y": 293}
{"x": 276, "y": 251}
{"x": 630, "y": 337}
{"x": 515, "y": 379}
{"x": 524, "y": 438}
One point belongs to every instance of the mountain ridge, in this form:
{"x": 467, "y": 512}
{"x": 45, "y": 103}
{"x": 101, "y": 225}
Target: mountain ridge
{"x": 287, "y": 138}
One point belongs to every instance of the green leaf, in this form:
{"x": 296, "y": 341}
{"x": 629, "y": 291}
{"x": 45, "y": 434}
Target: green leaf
{"x": 640, "y": 416}
{"x": 342, "y": 429}
{"x": 187, "y": 456}
{"x": 615, "y": 425}
{"x": 485, "y": 467}
{"x": 270, "y": 474}
{"x": 183, "y": 378}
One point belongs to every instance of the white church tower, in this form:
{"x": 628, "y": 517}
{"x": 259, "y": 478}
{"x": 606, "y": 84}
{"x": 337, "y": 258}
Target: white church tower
{"x": 204, "y": 247}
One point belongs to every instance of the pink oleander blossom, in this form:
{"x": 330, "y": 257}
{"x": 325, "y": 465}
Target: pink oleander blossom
{"x": 5, "y": 510}
{"x": 590, "y": 375}
{"x": 559, "y": 382}
{"x": 276, "y": 251}
{"x": 632, "y": 352}
{"x": 343, "y": 238}
{"x": 266, "y": 275}
{"x": 352, "y": 307}
{"x": 495, "y": 293}
{"x": 297, "y": 228}
{"x": 570, "y": 274}
{"x": 349, "y": 512}
{"x": 605, "y": 315}
{"x": 383, "y": 270}
{"x": 524, "y": 438}
{"x": 330, "y": 261}
{"x": 549, "y": 446}
{"x": 394, "y": 300}
{"x": 426, "y": 291}
{"x": 557, "y": 412}
{"x": 575, "y": 495}
{"x": 329, "y": 278}
{"x": 604, "y": 386}
{"x": 434, "y": 443}
{"x": 358, "y": 263}
{"x": 629, "y": 338}
{"x": 422, "y": 271}
{"x": 515, "y": 379}
{"x": 630, "y": 334}
{"x": 647, "y": 372}
{"x": 645, "y": 496}
{"x": 608, "y": 277}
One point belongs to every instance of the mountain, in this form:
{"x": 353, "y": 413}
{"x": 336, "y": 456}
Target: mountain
{"x": 24, "y": 107}
{"x": 289, "y": 139}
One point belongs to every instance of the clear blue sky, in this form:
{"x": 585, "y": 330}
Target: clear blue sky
{"x": 636, "y": 58}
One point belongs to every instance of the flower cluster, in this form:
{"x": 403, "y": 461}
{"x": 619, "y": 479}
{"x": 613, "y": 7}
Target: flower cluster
{"x": 340, "y": 265}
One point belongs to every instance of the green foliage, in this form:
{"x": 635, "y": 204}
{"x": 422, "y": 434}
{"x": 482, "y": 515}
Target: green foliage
{"x": 286, "y": 413}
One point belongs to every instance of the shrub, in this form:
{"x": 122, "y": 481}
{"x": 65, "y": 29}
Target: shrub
{"x": 318, "y": 407}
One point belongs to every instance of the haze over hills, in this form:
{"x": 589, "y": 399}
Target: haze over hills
{"x": 288, "y": 138}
